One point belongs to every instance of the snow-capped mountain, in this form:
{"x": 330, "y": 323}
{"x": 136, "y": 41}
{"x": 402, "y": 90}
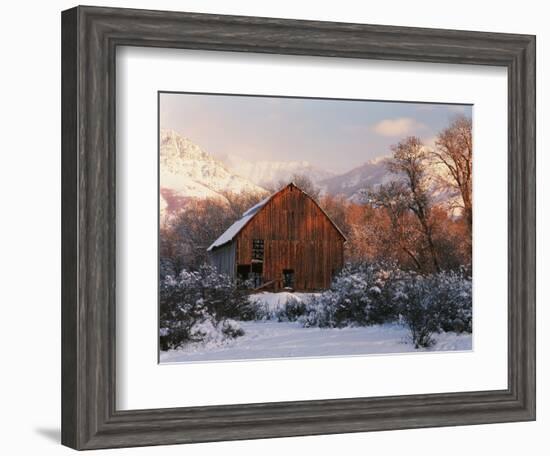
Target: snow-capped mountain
{"x": 187, "y": 171}
{"x": 369, "y": 175}
{"x": 266, "y": 172}
{"x": 375, "y": 172}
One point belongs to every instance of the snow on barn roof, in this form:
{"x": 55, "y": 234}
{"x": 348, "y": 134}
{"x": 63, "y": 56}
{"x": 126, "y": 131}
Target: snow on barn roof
{"x": 236, "y": 227}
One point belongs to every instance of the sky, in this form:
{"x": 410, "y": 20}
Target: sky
{"x": 336, "y": 135}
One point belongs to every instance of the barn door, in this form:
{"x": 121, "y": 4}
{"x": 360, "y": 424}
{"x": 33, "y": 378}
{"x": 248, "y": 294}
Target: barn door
{"x": 256, "y": 274}
{"x": 243, "y": 271}
{"x": 288, "y": 278}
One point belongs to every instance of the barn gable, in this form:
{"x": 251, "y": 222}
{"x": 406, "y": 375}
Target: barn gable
{"x": 231, "y": 233}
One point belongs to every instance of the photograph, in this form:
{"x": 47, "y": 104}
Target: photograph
{"x": 308, "y": 227}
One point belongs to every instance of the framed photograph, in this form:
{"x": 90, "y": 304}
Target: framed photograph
{"x": 280, "y": 228}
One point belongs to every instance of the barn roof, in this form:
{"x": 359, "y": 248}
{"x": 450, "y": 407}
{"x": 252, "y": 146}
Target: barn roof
{"x": 229, "y": 234}
{"x": 234, "y": 229}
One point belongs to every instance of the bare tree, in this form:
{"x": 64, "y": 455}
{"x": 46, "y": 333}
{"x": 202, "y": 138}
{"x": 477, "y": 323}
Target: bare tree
{"x": 238, "y": 203}
{"x": 395, "y": 199}
{"x": 336, "y": 207}
{"x": 410, "y": 160}
{"x": 184, "y": 241}
{"x": 454, "y": 151}
{"x": 194, "y": 229}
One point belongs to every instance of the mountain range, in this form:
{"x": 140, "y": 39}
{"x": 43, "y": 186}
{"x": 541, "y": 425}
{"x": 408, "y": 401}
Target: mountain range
{"x": 368, "y": 175}
{"x": 266, "y": 173}
{"x": 187, "y": 172}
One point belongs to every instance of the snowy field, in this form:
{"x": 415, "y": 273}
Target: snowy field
{"x": 271, "y": 339}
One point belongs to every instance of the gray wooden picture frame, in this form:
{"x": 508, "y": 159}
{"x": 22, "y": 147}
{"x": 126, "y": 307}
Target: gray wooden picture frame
{"x": 90, "y": 36}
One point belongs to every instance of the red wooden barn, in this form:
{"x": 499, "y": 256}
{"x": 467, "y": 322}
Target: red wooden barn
{"x": 284, "y": 242}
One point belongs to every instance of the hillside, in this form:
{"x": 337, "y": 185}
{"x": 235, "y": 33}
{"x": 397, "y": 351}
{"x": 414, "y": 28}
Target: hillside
{"x": 187, "y": 171}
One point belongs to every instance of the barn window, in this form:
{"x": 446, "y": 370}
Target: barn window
{"x": 258, "y": 250}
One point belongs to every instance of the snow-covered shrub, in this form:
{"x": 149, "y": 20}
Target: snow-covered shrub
{"x": 232, "y": 329}
{"x": 418, "y": 308}
{"x": 166, "y": 268}
{"x": 367, "y": 294}
{"x": 453, "y": 290}
{"x": 322, "y": 311}
{"x": 208, "y": 331}
{"x": 292, "y": 310}
{"x": 429, "y": 304}
{"x": 197, "y": 305}
{"x": 359, "y": 295}
{"x": 282, "y": 306}
{"x": 205, "y": 330}
{"x": 382, "y": 308}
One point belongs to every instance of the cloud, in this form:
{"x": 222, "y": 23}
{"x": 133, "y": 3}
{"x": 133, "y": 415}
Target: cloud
{"x": 397, "y": 127}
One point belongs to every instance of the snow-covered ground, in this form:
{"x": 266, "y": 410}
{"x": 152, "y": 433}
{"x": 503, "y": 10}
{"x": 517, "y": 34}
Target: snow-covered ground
{"x": 271, "y": 339}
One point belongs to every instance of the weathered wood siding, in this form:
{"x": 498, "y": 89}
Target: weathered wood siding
{"x": 297, "y": 235}
{"x": 223, "y": 259}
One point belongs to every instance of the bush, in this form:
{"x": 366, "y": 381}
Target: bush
{"x": 231, "y": 329}
{"x": 292, "y": 310}
{"x": 454, "y": 292}
{"x": 375, "y": 294}
{"x": 282, "y": 306}
{"x": 322, "y": 311}
{"x": 197, "y": 306}
{"x": 359, "y": 295}
{"x": 418, "y": 308}
{"x": 429, "y": 304}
